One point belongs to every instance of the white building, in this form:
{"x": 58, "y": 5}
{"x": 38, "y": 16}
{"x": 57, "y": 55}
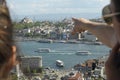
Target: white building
{"x": 26, "y": 31}
{"x": 99, "y": 72}
{"x": 88, "y": 36}
{"x": 26, "y": 20}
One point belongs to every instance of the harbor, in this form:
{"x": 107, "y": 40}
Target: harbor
{"x": 73, "y": 66}
{"x": 62, "y": 51}
{"x": 45, "y": 46}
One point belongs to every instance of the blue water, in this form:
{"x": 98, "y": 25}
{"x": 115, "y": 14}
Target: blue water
{"x": 62, "y": 51}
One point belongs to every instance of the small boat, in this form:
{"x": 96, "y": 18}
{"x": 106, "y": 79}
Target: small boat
{"x": 72, "y": 41}
{"x": 60, "y": 41}
{"x": 82, "y": 53}
{"x": 43, "y": 50}
{"x": 45, "y": 41}
{"x": 94, "y": 43}
{"x": 59, "y": 63}
{"x": 97, "y": 43}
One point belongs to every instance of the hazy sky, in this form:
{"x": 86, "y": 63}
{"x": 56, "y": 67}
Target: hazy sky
{"x": 39, "y": 7}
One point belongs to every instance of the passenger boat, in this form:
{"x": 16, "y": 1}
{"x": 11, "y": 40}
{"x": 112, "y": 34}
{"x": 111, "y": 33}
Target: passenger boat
{"x": 43, "y": 50}
{"x": 82, "y": 53}
{"x": 59, "y": 63}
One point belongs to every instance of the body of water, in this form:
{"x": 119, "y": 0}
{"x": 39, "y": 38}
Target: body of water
{"x": 63, "y": 51}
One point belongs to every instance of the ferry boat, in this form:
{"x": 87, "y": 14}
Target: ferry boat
{"x": 82, "y": 53}
{"x": 59, "y": 63}
{"x": 43, "y": 50}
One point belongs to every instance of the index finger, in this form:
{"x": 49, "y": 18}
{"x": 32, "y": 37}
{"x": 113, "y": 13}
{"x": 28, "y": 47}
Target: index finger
{"x": 74, "y": 19}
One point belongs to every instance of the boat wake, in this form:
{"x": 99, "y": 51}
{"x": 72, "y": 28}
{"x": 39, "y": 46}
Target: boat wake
{"x": 59, "y": 52}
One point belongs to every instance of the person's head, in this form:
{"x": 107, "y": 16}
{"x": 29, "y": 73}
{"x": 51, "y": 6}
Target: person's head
{"x": 115, "y": 8}
{"x": 111, "y": 11}
{"x": 7, "y": 50}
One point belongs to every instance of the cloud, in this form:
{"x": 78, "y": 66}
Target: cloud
{"x": 11, "y": 6}
{"x": 55, "y": 6}
{"x": 42, "y": 5}
{"x": 51, "y": 3}
{"x": 101, "y": 0}
{"x": 64, "y": 10}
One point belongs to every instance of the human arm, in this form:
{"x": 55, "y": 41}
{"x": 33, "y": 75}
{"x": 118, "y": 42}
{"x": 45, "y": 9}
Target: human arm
{"x": 103, "y": 32}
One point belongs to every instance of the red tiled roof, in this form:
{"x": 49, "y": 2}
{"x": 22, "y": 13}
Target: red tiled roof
{"x": 76, "y": 77}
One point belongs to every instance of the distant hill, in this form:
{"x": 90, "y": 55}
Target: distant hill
{"x": 54, "y": 17}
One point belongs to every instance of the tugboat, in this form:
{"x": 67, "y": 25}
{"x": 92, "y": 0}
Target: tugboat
{"x": 59, "y": 63}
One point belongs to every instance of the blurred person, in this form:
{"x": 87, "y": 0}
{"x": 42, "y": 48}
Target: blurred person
{"x": 109, "y": 34}
{"x": 7, "y": 48}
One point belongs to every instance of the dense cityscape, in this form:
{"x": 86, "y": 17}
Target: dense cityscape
{"x": 30, "y": 67}
{"x": 59, "y": 30}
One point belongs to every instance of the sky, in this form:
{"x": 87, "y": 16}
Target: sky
{"x": 55, "y": 7}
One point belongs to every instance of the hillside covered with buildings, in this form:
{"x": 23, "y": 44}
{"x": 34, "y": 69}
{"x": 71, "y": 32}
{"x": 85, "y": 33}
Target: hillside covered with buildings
{"x": 55, "y": 30}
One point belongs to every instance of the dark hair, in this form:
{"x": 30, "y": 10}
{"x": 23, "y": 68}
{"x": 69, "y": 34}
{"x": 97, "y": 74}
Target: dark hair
{"x": 6, "y": 30}
{"x": 117, "y": 8}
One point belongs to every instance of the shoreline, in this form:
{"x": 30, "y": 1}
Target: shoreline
{"x": 72, "y": 41}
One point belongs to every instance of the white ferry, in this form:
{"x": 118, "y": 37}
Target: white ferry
{"x": 43, "y": 50}
{"x": 82, "y": 53}
{"x": 59, "y": 63}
